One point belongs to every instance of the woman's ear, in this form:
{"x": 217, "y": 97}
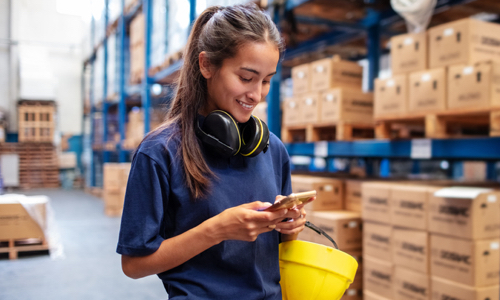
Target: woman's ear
{"x": 205, "y": 67}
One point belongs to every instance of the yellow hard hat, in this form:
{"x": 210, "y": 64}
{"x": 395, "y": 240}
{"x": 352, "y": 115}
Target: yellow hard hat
{"x": 311, "y": 271}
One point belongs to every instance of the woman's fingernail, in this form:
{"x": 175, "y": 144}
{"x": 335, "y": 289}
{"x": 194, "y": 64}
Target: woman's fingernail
{"x": 286, "y": 210}
{"x": 277, "y": 229}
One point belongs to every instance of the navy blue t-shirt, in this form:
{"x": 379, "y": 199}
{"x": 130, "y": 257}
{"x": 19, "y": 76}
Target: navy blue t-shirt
{"x": 158, "y": 206}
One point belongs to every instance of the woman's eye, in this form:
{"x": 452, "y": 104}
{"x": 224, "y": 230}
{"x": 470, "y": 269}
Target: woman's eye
{"x": 266, "y": 82}
{"x": 245, "y": 79}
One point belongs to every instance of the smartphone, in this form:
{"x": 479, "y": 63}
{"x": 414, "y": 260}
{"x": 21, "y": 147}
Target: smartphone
{"x": 292, "y": 200}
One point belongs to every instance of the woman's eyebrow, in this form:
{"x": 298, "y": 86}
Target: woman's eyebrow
{"x": 255, "y": 71}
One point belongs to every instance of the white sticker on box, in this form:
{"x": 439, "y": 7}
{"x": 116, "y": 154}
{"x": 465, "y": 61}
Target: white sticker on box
{"x": 293, "y": 104}
{"x": 494, "y": 246}
{"x": 492, "y": 198}
{"x": 320, "y": 69}
{"x": 321, "y": 149}
{"x": 329, "y": 97}
{"x": 421, "y": 148}
{"x": 309, "y": 101}
{"x": 408, "y": 41}
{"x": 390, "y": 83}
{"x": 426, "y": 77}
{"x": 353, "y": 224}
{"x": 448, "y": 31}
{"x": 468, "y": 70}
{"x": 328, "y": 188}
{"x": 301, "y": 75}
{"x": 351, "y": 292}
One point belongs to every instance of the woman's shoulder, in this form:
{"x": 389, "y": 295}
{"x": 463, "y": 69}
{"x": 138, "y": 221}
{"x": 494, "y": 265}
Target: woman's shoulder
{"x": 276, "y": 144}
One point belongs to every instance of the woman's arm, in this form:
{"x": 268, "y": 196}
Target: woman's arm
{"x": 242, "y": 222}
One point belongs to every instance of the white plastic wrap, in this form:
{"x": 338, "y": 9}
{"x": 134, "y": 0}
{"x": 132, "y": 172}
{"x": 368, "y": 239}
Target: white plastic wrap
{"x": 112, "y": 66}
{"x": 417, "y": 13}
{"x": 178, "y": 24}
{"x": 40, "y": 210}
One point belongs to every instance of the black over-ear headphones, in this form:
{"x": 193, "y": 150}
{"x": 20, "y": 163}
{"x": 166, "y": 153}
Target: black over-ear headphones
{"x": 221, "y": 133}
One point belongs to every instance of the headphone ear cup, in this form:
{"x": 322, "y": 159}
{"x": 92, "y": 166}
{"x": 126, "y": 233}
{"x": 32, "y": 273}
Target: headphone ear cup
{"x": 221, "y": 133}
{"x": 255, "y": 137}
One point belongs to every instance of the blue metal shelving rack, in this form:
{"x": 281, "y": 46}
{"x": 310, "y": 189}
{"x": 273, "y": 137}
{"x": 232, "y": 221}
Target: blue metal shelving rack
{"x": 124, "y": 90}
{"x": 372, "y": 26}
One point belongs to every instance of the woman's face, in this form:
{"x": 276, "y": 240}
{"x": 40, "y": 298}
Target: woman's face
{"x": 242, "y": 81}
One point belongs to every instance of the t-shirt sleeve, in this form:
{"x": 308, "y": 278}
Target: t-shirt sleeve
{"x": 143, "y": 210}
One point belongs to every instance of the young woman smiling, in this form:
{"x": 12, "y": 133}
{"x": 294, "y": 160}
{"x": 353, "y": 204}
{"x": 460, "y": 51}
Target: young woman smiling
{"x": 195, "y": 217}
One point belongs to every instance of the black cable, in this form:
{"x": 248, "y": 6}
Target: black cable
{"x": 321, "y": 232}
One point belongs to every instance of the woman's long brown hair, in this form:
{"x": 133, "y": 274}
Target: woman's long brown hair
{"x": 220, "y": 32}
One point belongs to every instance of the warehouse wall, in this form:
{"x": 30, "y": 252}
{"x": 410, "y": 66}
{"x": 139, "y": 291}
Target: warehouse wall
{"x": 49, "y": 59}
{"x": 4, "y": 54}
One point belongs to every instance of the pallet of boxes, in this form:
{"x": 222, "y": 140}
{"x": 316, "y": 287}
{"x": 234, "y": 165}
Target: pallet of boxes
{"x": 114, "y": 187}
{"x": 328, "y": 103}
{"x": 23, "y": 224}
{"x": 327, "y": 212}
{"x": 424, "y": 242}
{"x": 443, "y": 83}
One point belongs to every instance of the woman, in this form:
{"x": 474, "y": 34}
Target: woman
{"x": 196, "y": 218}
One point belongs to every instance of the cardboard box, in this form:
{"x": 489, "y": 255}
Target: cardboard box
{"x": 411, "y": 285}
{"x": 346, "y": 105}
{"x": 427, "y": 90}
{"x": 464, "y": 212}
{"x": 377, "y": 241}
{"x": 376, "y": 202}
{"x": 474, "y": 86}
{"x": 408, "y": 53}
{"x": 357, "y": 284}
{"x": 463, "y": 41}
{"x": 378, "y": 277}
{"x": 310, "y": 107}
{"x": 115, "y": 176}
{"x": 474, "y": 263}
{"x": 391, "y": 96}
{"x": 16, "y": 223}
{"x": 353, "y": 198}
{"x": 301, "y": 77}
{"x": 445, "y": 289}
{"x": 410, "y": 249}
{"x": 352, "y": 294}
{"x": 329, "y": 191}
{"x": 333, "y": 72}
{"x": 292, "y": 114}
{"x": 367, "y": 295}
{"x": 409, "y": 206}
{"x": 344, "y": 227}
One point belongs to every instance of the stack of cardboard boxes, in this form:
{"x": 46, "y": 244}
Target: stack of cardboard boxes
{"x": 114, "y": 187}
{"x": 451, "y": 67}
{"x": 427, "y": 242}
{"x": 137, "y": 53}
{"x": 327, "y": 212}
{"x": 328, "y": 91}
{"x": 134, "y": 131}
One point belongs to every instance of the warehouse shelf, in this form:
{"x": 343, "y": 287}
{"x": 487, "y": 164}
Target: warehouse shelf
{"x": 373, "y": 20}
{"x": 459, "y": 149}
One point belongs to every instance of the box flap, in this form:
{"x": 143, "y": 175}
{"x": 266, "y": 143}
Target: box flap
{"x": 461, "y": 192}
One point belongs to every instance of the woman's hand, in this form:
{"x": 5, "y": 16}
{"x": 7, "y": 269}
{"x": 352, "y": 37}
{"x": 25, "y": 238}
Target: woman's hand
{"x": 296, "y": 221}
{"x": 245, "y": 222}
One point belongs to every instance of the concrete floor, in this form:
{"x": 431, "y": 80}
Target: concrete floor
{"x": 91, "y": 268}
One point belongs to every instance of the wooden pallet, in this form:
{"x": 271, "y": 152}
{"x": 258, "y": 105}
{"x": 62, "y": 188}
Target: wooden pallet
{"x": 449, "y": 124}
{"x": 36, "y": 121}
{"x": 38, "y": 164}
{"x": 14, "y": 247}
{"x": 113, "y": 211}
{"x": 339, "y": 131}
